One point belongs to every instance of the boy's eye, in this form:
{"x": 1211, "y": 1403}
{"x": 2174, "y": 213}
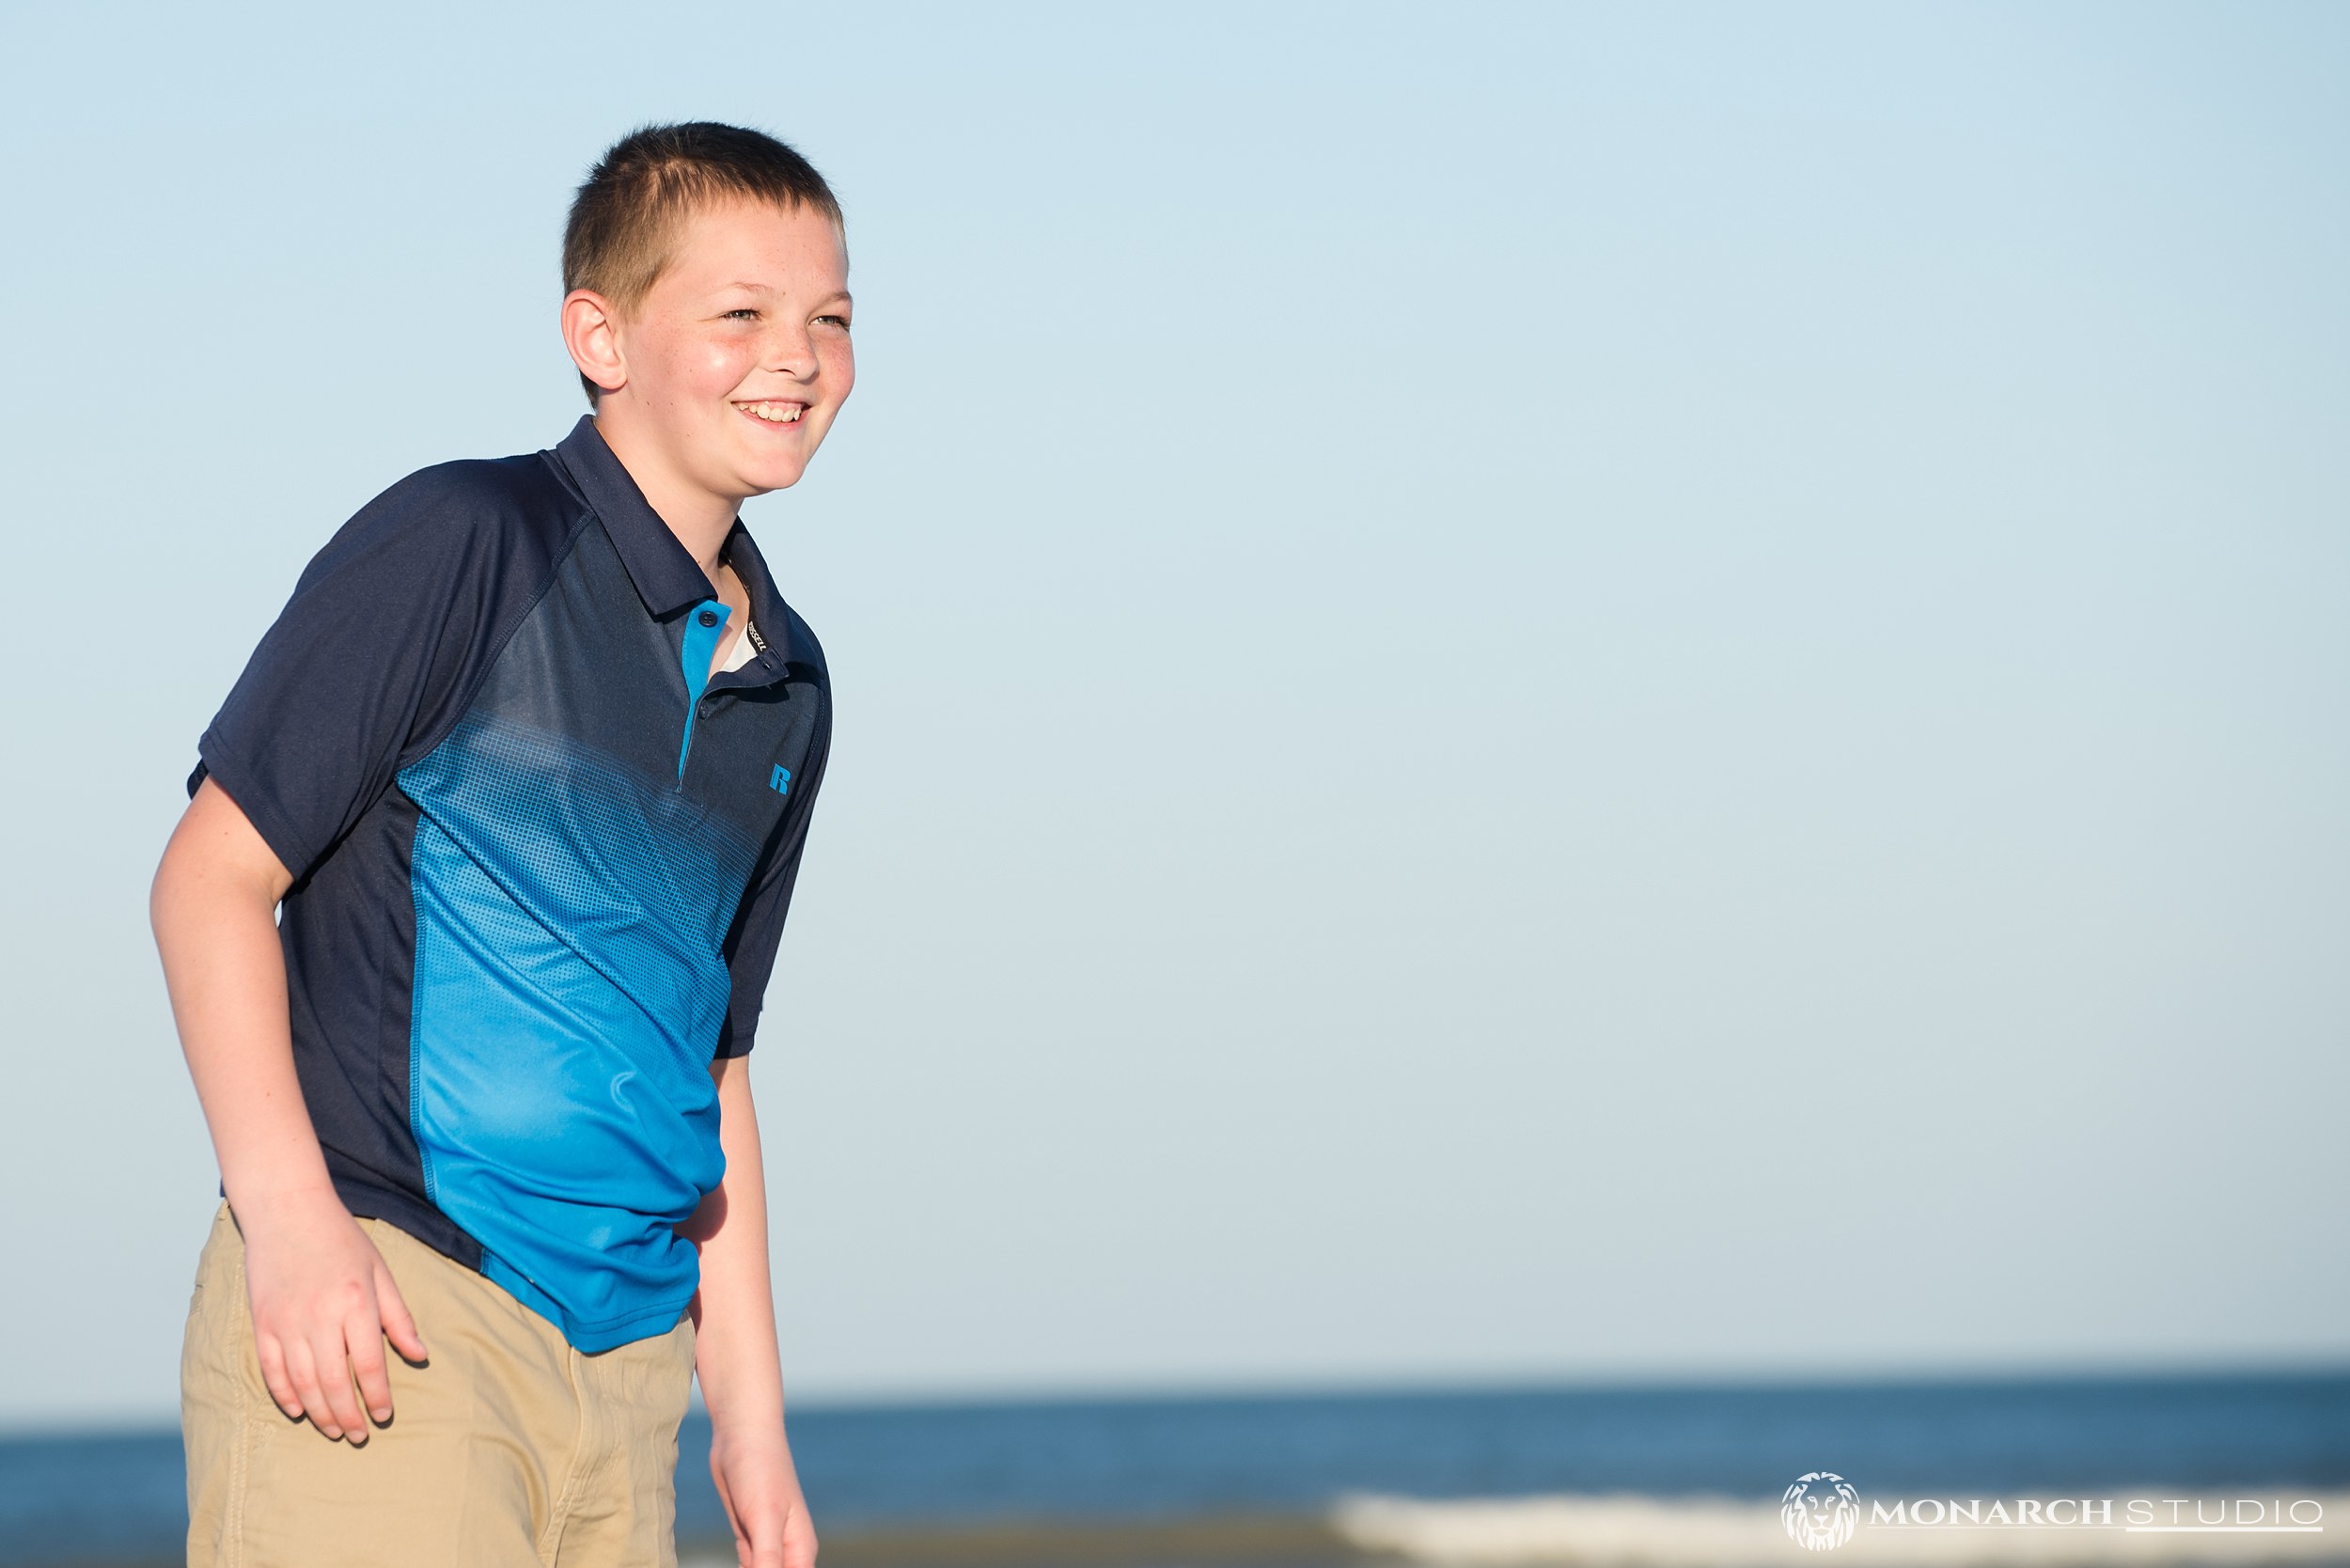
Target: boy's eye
{"x": 744, "y": 313}
{"x": 841, "y": 321}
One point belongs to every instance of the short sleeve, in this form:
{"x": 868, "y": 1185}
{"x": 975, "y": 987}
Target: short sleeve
{"x": 758, "y": 930}
{"x": 369, "y": 658}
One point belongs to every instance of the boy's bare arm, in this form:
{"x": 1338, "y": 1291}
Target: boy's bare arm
{"x": 734, "y": 1345}
{"x": 323, "y": 1299}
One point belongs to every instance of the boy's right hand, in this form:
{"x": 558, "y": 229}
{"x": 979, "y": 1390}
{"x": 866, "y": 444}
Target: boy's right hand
{"x": 323, "y": 1302}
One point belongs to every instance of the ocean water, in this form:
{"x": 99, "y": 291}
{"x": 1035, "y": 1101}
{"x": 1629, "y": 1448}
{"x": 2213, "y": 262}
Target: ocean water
{"x": 911, "y": 1473}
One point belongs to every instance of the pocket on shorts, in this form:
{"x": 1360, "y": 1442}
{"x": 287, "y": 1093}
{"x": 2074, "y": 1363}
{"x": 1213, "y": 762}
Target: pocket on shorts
{"x": 206, "y": 1258}
{"x": 218, "y": 1368}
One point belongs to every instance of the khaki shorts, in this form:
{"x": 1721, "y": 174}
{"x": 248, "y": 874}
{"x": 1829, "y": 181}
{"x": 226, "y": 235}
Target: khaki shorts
{"x": 509, "y": 1449}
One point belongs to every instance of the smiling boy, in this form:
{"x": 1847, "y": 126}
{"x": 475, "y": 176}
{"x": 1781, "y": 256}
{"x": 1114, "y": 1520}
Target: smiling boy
{"x": 468, "y": 923}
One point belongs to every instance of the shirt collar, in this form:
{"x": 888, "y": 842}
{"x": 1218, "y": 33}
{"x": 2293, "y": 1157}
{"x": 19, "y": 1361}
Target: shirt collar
{"x": 770, "y": 618}
{"x": 668, "y": 578}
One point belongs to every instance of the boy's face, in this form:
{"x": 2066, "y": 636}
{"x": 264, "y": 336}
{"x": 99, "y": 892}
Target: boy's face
{"x": 738, "y": 357}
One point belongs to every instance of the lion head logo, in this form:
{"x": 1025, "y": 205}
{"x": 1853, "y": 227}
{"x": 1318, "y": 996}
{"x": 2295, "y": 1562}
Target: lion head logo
{"x": 1821, "y": 1510}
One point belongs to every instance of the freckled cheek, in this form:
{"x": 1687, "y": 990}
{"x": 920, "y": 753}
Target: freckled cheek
{"x": 680, "y": 371}
{"x": 720, "y": 367}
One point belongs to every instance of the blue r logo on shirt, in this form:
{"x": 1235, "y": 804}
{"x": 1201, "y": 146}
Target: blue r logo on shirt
{"x": 780, "y": 781}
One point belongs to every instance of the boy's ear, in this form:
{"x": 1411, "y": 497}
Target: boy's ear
{"x": 590, "y": 331}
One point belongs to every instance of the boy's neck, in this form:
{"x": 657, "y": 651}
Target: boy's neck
{"x": 700, "y": 520}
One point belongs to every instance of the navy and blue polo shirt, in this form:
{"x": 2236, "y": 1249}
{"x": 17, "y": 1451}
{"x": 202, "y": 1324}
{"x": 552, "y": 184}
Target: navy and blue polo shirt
{"x": 541, "y": 857}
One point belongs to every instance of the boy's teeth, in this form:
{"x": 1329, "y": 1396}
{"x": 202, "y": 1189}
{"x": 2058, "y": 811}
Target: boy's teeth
{"x": 779, "y": 413}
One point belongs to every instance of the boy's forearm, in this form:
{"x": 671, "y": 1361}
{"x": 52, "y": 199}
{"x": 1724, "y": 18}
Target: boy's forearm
{"x": 734, "y": 1347}
{"x": 213, "y": 910}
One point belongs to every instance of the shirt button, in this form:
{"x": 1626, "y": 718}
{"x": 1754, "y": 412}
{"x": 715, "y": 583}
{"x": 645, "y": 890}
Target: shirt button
{"x": 708, "y": 617}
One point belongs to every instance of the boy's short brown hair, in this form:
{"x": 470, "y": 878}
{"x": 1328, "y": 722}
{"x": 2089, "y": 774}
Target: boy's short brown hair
{"x": 625, "y": 220}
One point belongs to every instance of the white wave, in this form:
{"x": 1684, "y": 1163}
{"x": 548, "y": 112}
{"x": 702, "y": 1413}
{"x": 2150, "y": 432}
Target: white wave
{"x": 1722, "y": 1532}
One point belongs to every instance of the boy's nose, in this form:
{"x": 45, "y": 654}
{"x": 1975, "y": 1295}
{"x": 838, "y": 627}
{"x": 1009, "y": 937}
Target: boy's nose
{"x": 793, "y": 352}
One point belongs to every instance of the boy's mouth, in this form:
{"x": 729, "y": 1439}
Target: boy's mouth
{"x": 773, "y": 413}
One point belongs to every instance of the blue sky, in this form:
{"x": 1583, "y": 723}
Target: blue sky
{"x": 1561, "y": 691}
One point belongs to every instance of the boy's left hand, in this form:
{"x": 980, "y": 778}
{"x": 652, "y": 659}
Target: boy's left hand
{"x": 761, "y": 1490}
